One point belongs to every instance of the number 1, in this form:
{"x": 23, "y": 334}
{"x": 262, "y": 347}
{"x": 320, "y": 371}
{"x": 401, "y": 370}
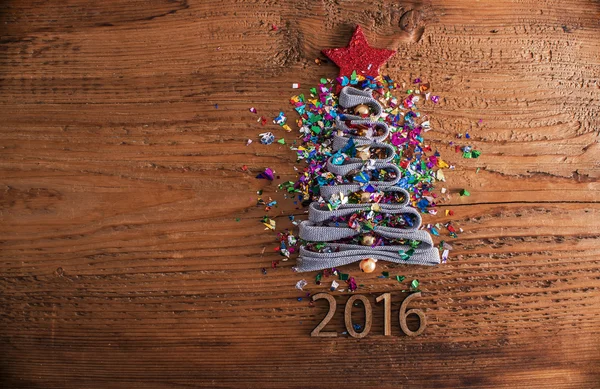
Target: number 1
{"x": 387, "y": 312}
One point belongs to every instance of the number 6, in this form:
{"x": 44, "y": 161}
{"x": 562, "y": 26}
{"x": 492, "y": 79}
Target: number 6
{"x": 403, "y": 314}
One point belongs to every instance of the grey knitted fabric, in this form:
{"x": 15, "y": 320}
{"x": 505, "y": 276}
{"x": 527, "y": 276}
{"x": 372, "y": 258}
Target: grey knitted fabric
{"x": 321, "y": 228}
{"x": 347, "y": 168}
{"x": 341, "y": 125}
{"x": 321, "y": 214}
{"x": 345, "y": 254}
{"x": 372, "y": 145}
{"x": 328, "y": 191}
{"x": 351, "y": 97}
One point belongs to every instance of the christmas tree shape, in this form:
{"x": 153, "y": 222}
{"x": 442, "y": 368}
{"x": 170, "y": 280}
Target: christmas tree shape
{"x": 364, "y": 149}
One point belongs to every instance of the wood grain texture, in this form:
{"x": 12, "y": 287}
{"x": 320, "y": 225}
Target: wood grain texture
{"x": 122, "y": 264}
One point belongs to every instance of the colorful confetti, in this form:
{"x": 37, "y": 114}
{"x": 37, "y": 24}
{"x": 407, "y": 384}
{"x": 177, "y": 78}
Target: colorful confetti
{"x": 420, "y": 165}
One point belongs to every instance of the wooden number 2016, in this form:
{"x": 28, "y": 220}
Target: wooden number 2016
{"x": 387, "y": 312}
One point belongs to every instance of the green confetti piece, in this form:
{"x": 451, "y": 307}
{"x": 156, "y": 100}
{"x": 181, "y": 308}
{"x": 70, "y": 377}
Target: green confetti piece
{"x": 323, "y": 81}
{"x": 315, "y": 129}
{"x": 353, "y": 76}
{"x": 475, "y": 153}
{"x": 468, "y": 155}
{"x": 367, "y": 227}
{"x": 315, "y": 118}
{"x": 414, "y": 284}
{"x": 318, "y": 277}
{"x": 477, "y": 171}
{"x": 400, "y": 278}
{"x": 237, "y": 219}
{"x": 344, "y": 277}
{"x": 465, "y": 192}
{"x": 386, "y": 274}
{"x": 414, "y": 243}
{"x": 281, "y": 141}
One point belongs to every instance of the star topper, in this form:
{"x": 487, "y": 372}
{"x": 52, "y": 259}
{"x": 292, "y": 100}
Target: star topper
{"x": 359, "y": 56}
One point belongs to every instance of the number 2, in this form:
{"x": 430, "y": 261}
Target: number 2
{"x": 332, "y": 304}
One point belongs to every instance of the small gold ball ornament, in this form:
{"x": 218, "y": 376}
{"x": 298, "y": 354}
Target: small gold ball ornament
{"x": 368, "y": 240}
{"x": 362, "y": 110}
{"x": 368, "y": 265}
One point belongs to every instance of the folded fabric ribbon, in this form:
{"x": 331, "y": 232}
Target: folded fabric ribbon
{"x": 388, "y": 151}
{"x": 319, "y": 213}
{"x": 343, "y": 254}
{"x": 350, "y": 97}
{"x": 345, "y": 169}
{"x": 380, "y": 130}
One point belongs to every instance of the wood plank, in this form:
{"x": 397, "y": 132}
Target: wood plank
{"x": 131, "y": 244}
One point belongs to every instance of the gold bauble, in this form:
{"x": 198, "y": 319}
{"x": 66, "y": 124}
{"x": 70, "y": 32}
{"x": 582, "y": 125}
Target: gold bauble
{"x": 368, "y": 265}
{"x": 362, "y": 110}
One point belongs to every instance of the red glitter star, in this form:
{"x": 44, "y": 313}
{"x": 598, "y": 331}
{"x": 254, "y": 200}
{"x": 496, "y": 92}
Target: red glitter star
{"x": 359, "y": 56}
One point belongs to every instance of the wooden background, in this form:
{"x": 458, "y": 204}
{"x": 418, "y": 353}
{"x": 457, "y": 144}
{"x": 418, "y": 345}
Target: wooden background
{"x": 123, "y": 265}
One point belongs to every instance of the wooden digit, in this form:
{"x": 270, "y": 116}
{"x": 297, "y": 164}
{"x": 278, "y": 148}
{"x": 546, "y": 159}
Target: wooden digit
{"x": 387, "y": 312}
{"x": 332, "y": 305}
{"x": 348, "y": 316}
{"x": 403, "y": 314}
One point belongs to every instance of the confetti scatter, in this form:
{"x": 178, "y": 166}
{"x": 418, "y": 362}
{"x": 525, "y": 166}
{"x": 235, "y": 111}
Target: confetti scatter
{"x": 270, "y": 224}
{"x": 281, "y": 119}
{"x": 445, "y": 254}
{"x": 301, "y": 284}
{"x": 267, "y": 174}
{"x": 266, "y": 138}
{"x": 414, "y": 285}
{"x": 419, "y": 164}
{"x": 352, "y": 284}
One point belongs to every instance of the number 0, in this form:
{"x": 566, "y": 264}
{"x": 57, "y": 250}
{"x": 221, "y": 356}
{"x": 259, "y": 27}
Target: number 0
{"x": 348, "y": 316}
